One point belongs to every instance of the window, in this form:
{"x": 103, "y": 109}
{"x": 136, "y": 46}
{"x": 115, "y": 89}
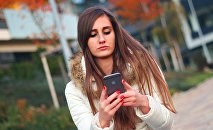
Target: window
{"x": 6, "y": 57}
{"x": 205, "y": 18}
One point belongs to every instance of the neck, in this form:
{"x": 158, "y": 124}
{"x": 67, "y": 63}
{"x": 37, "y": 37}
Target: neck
{"x": 106, "y": 64}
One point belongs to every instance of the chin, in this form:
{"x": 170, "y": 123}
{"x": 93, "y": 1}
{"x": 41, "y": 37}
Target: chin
{"x": 103, "y": 56}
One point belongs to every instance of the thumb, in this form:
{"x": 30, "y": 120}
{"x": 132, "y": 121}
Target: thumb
{"x": 103, "y": 94}
{"x": 126, "y": 85}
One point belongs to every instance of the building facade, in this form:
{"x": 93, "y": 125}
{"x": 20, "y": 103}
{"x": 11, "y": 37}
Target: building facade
{"x": 19, "y": 32}
{"x": 197, "y": 25}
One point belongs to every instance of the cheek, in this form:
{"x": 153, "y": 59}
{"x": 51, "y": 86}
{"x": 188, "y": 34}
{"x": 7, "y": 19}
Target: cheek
{"x": 112, "y": 37}
{"x": 90, "y": 43}
{"x": 91, "y": 46}
{"x": 113, "y": 41}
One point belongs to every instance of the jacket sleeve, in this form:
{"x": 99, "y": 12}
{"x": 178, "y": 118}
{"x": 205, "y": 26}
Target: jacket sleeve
{"x": 158, "y": 118}
{"x": 81, "y": 113}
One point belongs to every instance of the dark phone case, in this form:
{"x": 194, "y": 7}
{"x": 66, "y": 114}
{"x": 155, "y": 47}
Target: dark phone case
{"x": 113, "y": 83}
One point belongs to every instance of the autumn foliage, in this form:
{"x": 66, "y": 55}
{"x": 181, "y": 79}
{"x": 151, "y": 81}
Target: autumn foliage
{"x": 16, "y": 4}
{"x": 33, "y": 5}
{"x": 137, "y": 9}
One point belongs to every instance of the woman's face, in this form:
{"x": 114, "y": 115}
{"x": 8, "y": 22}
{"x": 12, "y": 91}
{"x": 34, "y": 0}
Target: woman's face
{"x": 102, "y": 38}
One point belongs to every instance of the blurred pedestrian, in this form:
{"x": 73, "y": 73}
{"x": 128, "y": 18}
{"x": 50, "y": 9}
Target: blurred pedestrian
{"x": 107, "y": 48}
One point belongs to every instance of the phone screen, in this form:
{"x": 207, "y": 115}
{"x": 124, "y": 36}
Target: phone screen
{"x": 113, "y": 83}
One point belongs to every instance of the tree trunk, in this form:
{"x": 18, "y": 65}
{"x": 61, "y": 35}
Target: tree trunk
{"x": 155, "y": 54}
{"x": 63, "y": 70}
{"x": 179, "y": 56}
{"x": 174, "y": 59}
{"x": 165, "y": 58}
{"x": 50, "y": 82}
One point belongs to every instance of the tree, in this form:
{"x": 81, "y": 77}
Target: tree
{"x": 33, "y": 6}
{"x": 170, "y": 28}
{"x": 134, "y": 10}
{"x": 145, "y": 11}
{"x": 16, "y": 4}
{"x": 154, "y": 10}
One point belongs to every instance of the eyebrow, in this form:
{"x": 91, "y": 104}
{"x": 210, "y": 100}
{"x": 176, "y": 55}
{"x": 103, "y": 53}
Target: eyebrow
{"x": 106, "y": 27}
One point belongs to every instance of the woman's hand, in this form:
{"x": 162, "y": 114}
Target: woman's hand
{"x": 135, "y": 99}
{"x": 108, "y": 106}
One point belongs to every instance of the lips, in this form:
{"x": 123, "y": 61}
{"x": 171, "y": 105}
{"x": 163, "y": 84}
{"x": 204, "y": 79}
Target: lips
{"x": 103, "y": 47}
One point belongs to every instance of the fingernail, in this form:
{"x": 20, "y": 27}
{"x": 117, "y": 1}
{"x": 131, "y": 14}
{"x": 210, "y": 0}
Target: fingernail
{"x": 122, "y": 97}
{"x": 123, "y": 81}
{"x": 104, "y": 88}
{"x": 118, "y": 92}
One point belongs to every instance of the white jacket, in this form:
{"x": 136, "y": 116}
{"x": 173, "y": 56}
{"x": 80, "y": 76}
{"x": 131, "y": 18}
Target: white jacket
{"x": 158, "y": 118}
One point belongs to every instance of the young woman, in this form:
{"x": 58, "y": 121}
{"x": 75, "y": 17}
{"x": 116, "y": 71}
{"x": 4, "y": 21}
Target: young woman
{"x": 107, "y": 48}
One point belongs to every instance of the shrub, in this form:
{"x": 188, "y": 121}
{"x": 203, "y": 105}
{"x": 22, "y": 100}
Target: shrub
{"x": 182, "y": 81}
{"x": 54, "y": 65}
{"x": 22, "y": 70}
{"x": 199, "y": 60}
{"x": 3, "y": 112}
{"x": 36, "y": 118}
{"x": 1, "y": 73}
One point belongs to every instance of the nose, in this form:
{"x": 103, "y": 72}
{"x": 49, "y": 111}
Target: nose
{"x": 101, "y": 39}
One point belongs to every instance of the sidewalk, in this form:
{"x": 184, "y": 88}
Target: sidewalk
{"x": 195, "y": 108}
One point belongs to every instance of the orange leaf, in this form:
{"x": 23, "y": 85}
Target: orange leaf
{"x": 137, "y": 9}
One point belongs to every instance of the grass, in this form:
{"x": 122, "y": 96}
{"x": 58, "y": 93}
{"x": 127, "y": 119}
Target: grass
{"x": 182, "y": 81}
{"x": 36, "y": 90}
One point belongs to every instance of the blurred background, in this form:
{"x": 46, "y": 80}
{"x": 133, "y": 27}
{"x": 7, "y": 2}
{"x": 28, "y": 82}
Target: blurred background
{"x": 38, "y": 37}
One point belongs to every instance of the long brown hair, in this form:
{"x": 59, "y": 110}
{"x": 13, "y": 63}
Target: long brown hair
{"x": 130, "y": 58}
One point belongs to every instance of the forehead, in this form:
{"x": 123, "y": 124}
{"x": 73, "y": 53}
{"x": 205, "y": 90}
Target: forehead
{"x": 101, "y": 22}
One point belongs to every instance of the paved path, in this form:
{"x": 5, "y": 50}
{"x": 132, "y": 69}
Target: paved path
{"x": 195, "y": 108}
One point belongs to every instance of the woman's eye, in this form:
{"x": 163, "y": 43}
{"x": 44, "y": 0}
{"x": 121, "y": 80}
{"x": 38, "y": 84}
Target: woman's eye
{"x": 93, "y": 35}
{"x": 107, "y": 32}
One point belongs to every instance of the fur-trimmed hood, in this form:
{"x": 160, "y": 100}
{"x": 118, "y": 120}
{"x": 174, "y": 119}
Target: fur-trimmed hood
{"x": 78, "y": 70}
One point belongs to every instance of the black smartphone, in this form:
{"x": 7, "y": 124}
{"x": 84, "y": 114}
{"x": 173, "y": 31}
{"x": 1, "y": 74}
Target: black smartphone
{"x": 113, "y": 83}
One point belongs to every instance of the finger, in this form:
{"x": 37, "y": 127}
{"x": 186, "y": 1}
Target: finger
{"x": 130, "y": 99}
{"x": 113, "y": 96}
{"x": 126, "y": 85}
{"x": 116, "y": 107}
{"x": 103, "y": 94}
{"x": 115, "y": 103}
{"x": 128, "y": 94}
{"x": 128, "y": 104}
